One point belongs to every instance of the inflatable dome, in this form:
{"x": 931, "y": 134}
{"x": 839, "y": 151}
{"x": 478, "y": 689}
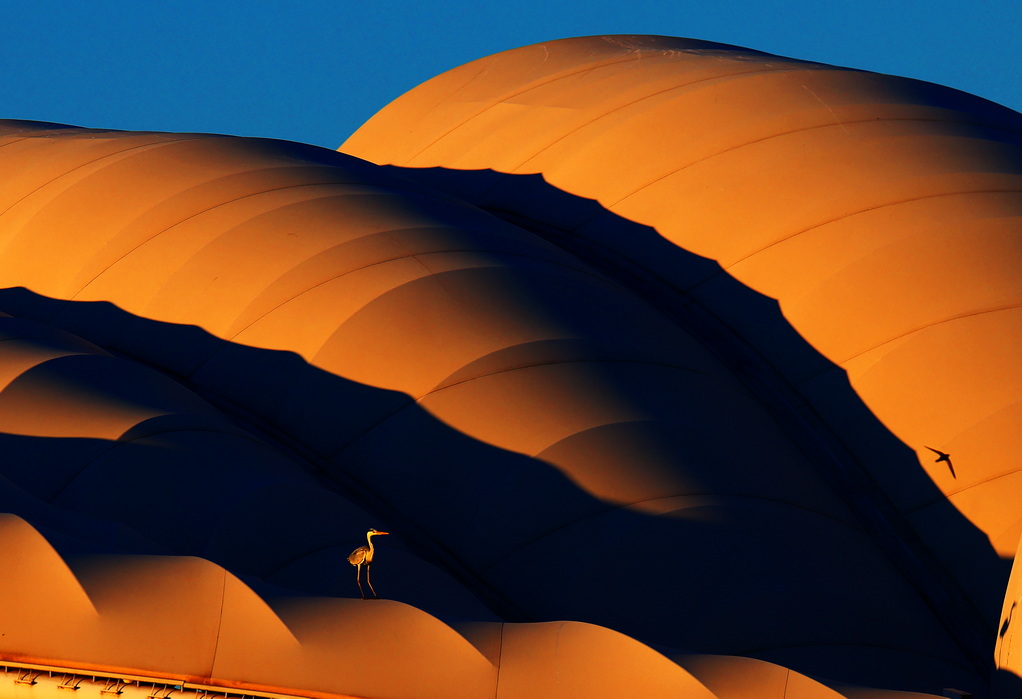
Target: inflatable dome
{"x": 671, "y": 368}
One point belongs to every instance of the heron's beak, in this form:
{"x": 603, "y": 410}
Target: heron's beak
{"x": 383, "y": 532}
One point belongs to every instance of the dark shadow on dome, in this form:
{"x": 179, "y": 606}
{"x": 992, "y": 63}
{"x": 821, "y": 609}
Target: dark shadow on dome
{"x": 1005, "y": 685}
{"x": 758, "y": 580}
{"x": 745, "y": 328}
{"x": 810, "y": 396}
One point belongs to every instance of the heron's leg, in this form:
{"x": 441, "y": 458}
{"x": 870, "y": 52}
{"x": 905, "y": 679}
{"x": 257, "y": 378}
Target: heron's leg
{"x": 370, "y": 582}
{"x": 358, "y": 579}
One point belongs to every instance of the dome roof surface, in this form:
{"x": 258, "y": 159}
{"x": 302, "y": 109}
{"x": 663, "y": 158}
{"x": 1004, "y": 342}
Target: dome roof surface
{"x": 636, "y": 345}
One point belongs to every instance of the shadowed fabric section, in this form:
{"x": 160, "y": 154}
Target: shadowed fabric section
{"x": 831, "y": 190}
{"x": 581, "y": 365}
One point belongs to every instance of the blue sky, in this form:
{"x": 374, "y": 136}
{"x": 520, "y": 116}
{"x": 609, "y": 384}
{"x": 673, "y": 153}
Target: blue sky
{"x": 313, "y": 71}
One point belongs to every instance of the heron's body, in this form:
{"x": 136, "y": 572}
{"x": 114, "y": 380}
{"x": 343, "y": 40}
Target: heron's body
{"x": 363, "y": 556}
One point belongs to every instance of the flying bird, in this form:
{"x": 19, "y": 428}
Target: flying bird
{"x": 363, "y": 556}
{"x": 941, "y": 456}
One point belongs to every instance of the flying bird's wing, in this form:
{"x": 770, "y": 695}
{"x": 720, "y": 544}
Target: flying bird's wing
{"x": 944, "y": 457}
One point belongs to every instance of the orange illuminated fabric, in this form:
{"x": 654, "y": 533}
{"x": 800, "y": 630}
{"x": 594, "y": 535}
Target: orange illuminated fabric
{"x": 637, "y": 346}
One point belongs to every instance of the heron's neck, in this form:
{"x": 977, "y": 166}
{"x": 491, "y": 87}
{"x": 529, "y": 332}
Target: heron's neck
{"x": 369, "y": 538}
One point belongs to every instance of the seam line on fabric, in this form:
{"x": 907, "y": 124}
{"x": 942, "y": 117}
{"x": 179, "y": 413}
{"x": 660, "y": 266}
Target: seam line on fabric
{"x": 141, "y": 146}
{"x": 429, "y": 274}
{"x": 815, "y": 127}
{"x": 714, "y": 78}
{"x": 869, "y": 209}
{"x": 197, "y": 214}
{"x": 947, "y": 496}
{"x": 902, "y": 336}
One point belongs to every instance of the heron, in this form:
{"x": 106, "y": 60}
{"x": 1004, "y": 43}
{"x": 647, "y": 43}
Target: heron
{"x": 363, "y": 556}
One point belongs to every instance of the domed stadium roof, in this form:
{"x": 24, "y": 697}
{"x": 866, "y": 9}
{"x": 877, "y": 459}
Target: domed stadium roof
{"x": 643, "y": 349}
